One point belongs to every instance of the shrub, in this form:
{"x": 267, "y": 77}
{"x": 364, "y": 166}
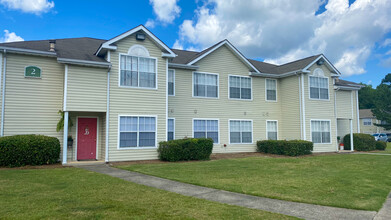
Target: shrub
{"x": 361, "y": 142}
{"x": 380, "y": 145}
{"x": 21, "y": 150}
{"x": 185, "y": 149}
{"x": 282, "y": 147}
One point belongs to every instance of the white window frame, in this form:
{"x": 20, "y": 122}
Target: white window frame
{"x": 229, "y": 87}
{"x": 138, "y": 75}
{"x": 210, "y": 119}
{"x": 331, "y": 137}
{"x": 309, "y": 88}
{"x": 365, "y": 123}
{"x": 229, "y": 131}
{"x": 173, "y": 136}
{"x": 266, "y": 79}
{"x": 173, "y": 82}
{"x": 267, "y": 132}
{"x": 202, "y": 97}
{"x": 138, "y": 139}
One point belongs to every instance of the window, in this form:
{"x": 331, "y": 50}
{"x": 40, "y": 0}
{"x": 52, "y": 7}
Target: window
{"x": 206, "y": 129}
{"x": 137, "y": 131}
{"x": 170, "y": 129}
{"x": 240, "y": 132}
{"x": 272, "y": 130}
{"x": 320, "y": 131}
{"x": 239, "y": 87}
{"x": 367, "y": 121}
{"x": 205, "y": 85}
{"x": 319, "y": 87}
{"x": 171, "y": 82}
{"x": 137, "y": 71}
{"x": 271, "y": 90}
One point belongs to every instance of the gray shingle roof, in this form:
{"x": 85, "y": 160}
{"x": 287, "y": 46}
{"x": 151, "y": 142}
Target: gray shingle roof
{"x": 347, "y": 83}
{"x": 71, "y": 48}
{"x": 366, "y": 113}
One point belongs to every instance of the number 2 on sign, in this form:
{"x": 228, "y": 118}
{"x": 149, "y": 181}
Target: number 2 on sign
{"x": 33, "y": 72}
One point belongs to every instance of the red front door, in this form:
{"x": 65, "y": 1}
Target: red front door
{"x": 86, "y": 138}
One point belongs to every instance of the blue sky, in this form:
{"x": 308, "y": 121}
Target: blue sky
{"x": 354, "y": 35}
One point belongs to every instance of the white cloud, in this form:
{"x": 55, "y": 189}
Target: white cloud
{"x": 283, "y": 31}
{"x": 177, "y": 45}
{"x": 150, "y": 23}
{"x": 29, "y": 6}
{"x": 166, "y": 10}
{"x": 10, "y": 37}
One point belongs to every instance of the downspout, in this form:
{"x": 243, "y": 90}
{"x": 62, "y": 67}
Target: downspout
{"x": 3, "y": 94}
{"x": 335, "y": 114}
{"x": 351, "y": 124}
{"x": 167, "y": 98}
{"x": 107, "y": 111}
{"x": 358, "y": 113}
{"x": 301, "y": 116}
{"x": 66, "y": 116}
{"x": 303, "y": 104}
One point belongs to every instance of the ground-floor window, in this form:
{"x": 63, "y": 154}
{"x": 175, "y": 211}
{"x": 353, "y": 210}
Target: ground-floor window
{"x": 240, "y": 131}
{"x": 170, "y": 129}
{"x": 320, "y": 131}
{"x": 137, "y": 131}
{"x": 206, "y": 128}
{"x": 272, "y": 130}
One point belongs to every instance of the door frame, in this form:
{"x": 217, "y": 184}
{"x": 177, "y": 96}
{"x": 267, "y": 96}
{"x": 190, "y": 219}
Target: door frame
{"x": 97, "y": 134}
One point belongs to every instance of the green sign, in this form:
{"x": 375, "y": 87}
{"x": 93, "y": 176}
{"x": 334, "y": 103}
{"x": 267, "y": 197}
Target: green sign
{"x": 32, "y": 71}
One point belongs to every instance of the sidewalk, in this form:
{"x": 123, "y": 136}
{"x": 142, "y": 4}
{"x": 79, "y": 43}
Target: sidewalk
{"x": 301, "y": 210}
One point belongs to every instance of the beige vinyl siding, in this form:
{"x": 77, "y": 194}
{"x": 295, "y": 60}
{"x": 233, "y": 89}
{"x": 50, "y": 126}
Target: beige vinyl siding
{"x": 344, "y": 104}
{"x": 32, "y": 105}
{"x": 87, "y": 89}
{"x": 320, "y": 109}
{"x": 72, "y": 152}
{"x": 290, "y": 108}
{"x": 136, "y": 101}
{"x": 184, "y": 108}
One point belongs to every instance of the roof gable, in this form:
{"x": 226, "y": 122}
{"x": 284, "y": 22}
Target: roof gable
{"x": 213, "y": 48}
{"x": 327, "y": 62}
{"x": 110, "y": 44}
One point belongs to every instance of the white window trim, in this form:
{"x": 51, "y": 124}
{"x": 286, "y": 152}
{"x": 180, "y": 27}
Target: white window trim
{"x": 138, "y": 78}
{"x": 309, "y": 88}
{"x": 173, "y": 82}
{"x": 167, "y": 129}
{"x": 266, "y": 90}
{"x": 363, "y": 121}
{"x": 213, "y": 119}
{"x": 229, "y": 131}
{"x": 331, "y": 137}
{"x": 135, "y": 148}
{"x": 267, "y": 132}
{"x": 202, "y": 97}
{"x": 229, "y": 87}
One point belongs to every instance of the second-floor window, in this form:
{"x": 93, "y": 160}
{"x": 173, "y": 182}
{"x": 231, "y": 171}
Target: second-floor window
{"x": 367, "y": 121}
{"x": 205, "y": 85}
{"x": 171, "y": 82}
{"x": 271, "y": 90}
{"x": 239, "y": 87}
{"x": 319, "y": 87}
{"x": 137, "y": 71}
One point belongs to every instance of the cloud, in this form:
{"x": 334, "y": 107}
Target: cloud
{"x": 150, "y": 23}
{"x": 29, "y": 6}
{"x": 166, "y": 10}
{"x": 283, "y": 31}
{"x": 10, "y": 37}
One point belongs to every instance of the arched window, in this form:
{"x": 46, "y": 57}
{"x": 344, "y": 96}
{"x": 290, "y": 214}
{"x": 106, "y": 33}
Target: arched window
{"x": 137, "y": 68}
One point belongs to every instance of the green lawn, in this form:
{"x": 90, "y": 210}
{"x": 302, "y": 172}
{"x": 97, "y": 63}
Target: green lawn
{"x": 70, "y": 193}
{"x": 349, "y": 181}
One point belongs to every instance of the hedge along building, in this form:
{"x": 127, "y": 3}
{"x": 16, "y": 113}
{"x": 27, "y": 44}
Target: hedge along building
{"x": 126, "y": 94}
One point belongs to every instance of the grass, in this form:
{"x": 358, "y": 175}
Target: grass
{"x": 348, "y": 181}
{"x": 70, "y": 193}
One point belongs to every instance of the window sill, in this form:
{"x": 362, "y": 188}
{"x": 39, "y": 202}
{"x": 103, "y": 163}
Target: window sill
{"x": 133, "y": 87}
{"x": 248, "y": 100}
{"x": 135, "y": 148}
{"x": 202, "y": 97}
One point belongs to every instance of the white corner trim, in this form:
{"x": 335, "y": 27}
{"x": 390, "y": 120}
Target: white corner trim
{"x": 65, "y": 139}
{"x": 2, "y": 80}
{"x": 303, "y": 104}
{"x": 225, "y": 42}
{"x": 167, "y": 97}
{"x": 64, "y": 106}
{"x": 358, "y": 113}
{"x": 107, "y": 111}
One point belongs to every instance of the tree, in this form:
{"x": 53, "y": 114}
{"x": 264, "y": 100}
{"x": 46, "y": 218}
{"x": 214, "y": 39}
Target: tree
{"x": 366, "y": 96}
{"x": 382, "y": 103}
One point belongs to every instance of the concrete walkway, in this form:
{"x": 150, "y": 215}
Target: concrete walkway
{"x": 372, "y": 153}
{"x": 385, "y": 211}
{"x": 301, "y": 210}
